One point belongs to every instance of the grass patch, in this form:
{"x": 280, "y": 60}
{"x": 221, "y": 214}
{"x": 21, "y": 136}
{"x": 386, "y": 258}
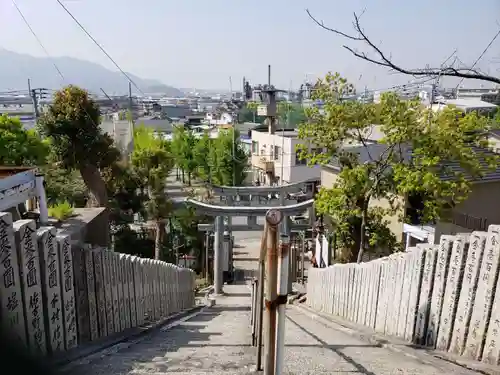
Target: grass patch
{"x": 61, "y": 211}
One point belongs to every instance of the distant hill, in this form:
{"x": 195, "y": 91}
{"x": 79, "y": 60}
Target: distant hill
{"x": 16, "y": 68}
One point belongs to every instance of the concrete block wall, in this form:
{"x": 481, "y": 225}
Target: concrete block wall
{"x": 445, "y": 296}
{"x": 56, "y": 295}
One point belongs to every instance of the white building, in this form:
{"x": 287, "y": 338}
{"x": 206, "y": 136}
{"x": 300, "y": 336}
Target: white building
{"x": 275, "y": 160}
{"x": 223, "y": 118}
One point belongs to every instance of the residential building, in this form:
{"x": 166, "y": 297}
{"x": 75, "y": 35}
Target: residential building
{"x": 488, "y": 95}
{"x": 219, "y": 118}
{"x": 275, "y": 159}
{"x": 480, "y": 209}
{"x": 467, "y": 105}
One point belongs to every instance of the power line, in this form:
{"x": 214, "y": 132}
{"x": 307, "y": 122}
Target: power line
{"x": 481, "y": 55}
{"x": 100, "y": 47}
{"x": 37, "y": 38}
{"x": 48, "y": 55}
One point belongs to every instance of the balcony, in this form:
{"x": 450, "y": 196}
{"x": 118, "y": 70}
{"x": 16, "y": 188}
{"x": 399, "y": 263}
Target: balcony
{"x": 264, "y": 164}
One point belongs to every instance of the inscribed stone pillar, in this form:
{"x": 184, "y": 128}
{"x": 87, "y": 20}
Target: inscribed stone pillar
{"x": 156, "y": 294}
{"x": 134, "y": 264}
{"x": 124, "y": 285}
{"x": 363, "y": 295}
{"x": 51, "y": 288}
{"x": 145, "y": 283}
{"x": 115, "y": 291}
{"x": 468, "y": 292}
{"x": 443, "y": 256}
{"x": 400, "y": 325}
{"x": 413, "y": 302}
{"x": 391, "y": 286}
{"x": 100, "y": 291}
{"x": 67, "y": 290}
{"x": 425, "y": 293}
{"x": 491, "y": 353}
{"x": 375, "y": 293}
{"x": 30, "y": 276}
{"x": 484, "y": 295}
{"x": 149, "y": 281}
{"x": 108, "y": 292}
{"x": 381, "y": 311}
{"x": 409, "y": 262}
{"x": 161, "y": 283}
{"x": 82, "y": 301}
{"x": 131, "y": 288}
{"x": 11, "y": 307}
{"x": 139, "y": 291}
{"x": 451, "y": 293}
{"x": 91, "y": 293}
{"x": 398, "y": 290}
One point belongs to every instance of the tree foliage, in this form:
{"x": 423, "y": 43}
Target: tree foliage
{"x": 228, "y": 159}
{"x": 18, "y": 146}
{"x": 412, "y": 159}
{"x": 72, "y": 125}
{"x": 152, "y": 163}
{"x": 183, "y": 147}
{"x": 290, "y": 115}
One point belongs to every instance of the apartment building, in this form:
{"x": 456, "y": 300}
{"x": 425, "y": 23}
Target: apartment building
{"x": 275, "y": 160}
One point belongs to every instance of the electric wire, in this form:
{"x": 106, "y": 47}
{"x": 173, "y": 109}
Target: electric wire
{"x": 47, "y": 53}
{"x": 100, "y": 47}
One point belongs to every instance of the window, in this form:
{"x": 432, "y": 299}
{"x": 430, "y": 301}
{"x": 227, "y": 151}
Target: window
{"x": 255, "y": 147}
{"x": 277, "y": 153}
{"x": 298, "y": 161}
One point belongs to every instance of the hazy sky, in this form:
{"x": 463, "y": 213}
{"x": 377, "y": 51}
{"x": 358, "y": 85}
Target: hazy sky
{"x": 201, "y": 43}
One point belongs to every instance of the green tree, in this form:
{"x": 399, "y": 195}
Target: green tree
{"x": 228, "y": 159}
{"x": 411, "y": 159}
{"x": 72, "y": 125}
{"x": 183, "y": 144}
{"x": 290, "y": 115}
{"x": 20, "y": 147}
{"x": 152, "y": 165}
{"x": 201, "y": 157}
{"x": 248, "y": 113}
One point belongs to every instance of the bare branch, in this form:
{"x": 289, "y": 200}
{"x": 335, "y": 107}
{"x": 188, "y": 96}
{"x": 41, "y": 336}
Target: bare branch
{"x": 382, "y": 59}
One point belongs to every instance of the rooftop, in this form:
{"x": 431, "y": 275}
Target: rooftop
{"x": 375, "y": 150}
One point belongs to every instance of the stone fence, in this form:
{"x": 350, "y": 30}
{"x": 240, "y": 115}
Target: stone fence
{"x": 444, "y": 296}
{"x": 56, "y": 295}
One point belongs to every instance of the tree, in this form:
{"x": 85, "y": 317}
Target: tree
{"x": 248, "y": 113}
{"x": 290, "y": 115}
{"x": 201, "y": 157}
{"x": 18, "y": 146}
{"x": 183, "y": 143}
{"x": 153, "y": 163}
{"x": 228, "y": 159}
{"x": 448, "y": 68}
{"x": 72, "y": 125}
{"x": 411, "y": 159}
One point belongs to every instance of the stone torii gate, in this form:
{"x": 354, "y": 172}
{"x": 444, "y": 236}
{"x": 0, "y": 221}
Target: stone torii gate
{"x": 229, "y": 211}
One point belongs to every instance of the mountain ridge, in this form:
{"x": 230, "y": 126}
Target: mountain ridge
{"x": 16, "y": 68}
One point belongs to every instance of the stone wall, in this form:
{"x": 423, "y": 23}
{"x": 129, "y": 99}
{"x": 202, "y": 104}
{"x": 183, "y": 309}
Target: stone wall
{"x": 56, "y": 294}
{"x": 444, "y": 296}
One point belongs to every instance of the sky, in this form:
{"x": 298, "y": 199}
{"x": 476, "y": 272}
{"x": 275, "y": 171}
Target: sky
{"x": 202, "y": 43}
